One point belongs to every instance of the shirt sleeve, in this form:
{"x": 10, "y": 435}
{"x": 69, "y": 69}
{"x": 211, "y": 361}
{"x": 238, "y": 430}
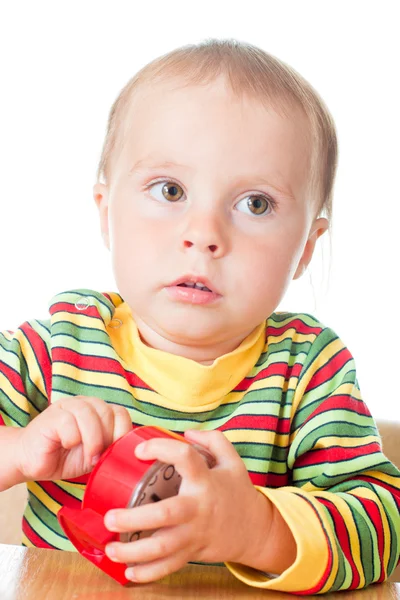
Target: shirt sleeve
{"x": 343, "y": 504}
{"x": 25, "y": 373}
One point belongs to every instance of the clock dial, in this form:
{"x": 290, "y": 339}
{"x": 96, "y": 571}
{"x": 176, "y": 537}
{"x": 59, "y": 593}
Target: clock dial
{"x": 161, "y": 481}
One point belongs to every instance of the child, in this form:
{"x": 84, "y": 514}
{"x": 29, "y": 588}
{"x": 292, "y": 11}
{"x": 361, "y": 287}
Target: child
{"x": 214, "y": 186}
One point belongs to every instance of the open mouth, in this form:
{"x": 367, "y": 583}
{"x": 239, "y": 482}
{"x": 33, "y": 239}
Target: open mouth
{"x": 198, "y": 286}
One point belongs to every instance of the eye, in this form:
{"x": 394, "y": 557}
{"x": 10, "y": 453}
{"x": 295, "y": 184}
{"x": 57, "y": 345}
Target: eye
{"x": 256, "y": 205}
{"x": 170, "y": 191}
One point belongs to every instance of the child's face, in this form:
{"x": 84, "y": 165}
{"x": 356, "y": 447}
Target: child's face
{"x": 227, "y": 152}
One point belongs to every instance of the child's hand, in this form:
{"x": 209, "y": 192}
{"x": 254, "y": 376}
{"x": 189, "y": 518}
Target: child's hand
{"x": 214, "y": 518}
{"x": 66, "y": 439}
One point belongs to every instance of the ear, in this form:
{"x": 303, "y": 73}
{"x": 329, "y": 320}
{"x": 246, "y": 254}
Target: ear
{"x": 100, "y": 195}
{"x": 318, "y": 227}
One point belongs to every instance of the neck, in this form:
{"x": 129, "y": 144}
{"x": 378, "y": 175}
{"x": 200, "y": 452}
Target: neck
{"x": 204, "y": 355}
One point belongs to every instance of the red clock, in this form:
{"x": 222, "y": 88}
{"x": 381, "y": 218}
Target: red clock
{"x": 120, "y": 480}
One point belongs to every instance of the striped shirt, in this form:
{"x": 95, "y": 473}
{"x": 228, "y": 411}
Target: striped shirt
{"x": 287, "y": 399}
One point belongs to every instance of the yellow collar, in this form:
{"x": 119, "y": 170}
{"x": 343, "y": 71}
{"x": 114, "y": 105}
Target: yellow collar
{"x": 183, "y": 382}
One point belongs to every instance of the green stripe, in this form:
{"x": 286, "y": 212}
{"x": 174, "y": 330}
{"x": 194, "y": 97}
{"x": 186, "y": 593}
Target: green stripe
{"x": 48, "y": 517}
{"x": 332, "y": 422}
{"x": 49, "y": 536}
{"x": 12, "y": 414}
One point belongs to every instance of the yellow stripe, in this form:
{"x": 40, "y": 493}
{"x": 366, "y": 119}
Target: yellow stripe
{"x": 389, "y": 479}
{"x": 17, "y": 398}
{"x": 80, "y": 319}
{"x": 347, "y": 388}
{"x": 345, "y": 513}
{"x": 27, "y": 541}
{"x": 291, "y": 333}
{"x": 345, "y": 442}
{"x": 257, "y": 436}
{"x": 44, "y": 498}
{"x": 267, "y": 382}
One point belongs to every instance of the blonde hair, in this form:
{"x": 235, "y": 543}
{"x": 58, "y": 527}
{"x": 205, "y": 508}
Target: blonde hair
{"x": 252, "y": 71}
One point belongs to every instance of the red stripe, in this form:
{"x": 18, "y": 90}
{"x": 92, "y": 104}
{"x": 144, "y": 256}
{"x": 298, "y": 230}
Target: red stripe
{"x": 59, "y": 495}
{"x": 33, "y": 537}
{"x": 97, "y": 364}
{"x": 341, "y": 402}
{"x": 13, "y": 377}
{"x": 276, "y": 480}
{"x": 295, "y": 324}
{"x": 135, "y": 381}
{"x": 41, "y": 353}
{"x": 343, "y": 539}
{"x": 90, "y": 311}
{"x": 2, "y": 421}
{"x": 81, "y": 479}
{"x": 273, "y": 480}
{"x": 258, "y": 422}
{"x": 330, "y": 369}
{"x": 395, "y": 492}
{"x": 87, "y": 362}
{"x": 374, "y": 515}
{"x": 336, "y": 454}
{"x": 281, "y": 369}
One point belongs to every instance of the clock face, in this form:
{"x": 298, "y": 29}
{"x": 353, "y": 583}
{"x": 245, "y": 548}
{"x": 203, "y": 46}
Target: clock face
{"x": 160, "y": 481}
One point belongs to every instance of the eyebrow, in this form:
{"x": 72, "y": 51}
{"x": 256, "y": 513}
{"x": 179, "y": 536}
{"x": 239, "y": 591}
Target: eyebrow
{"x": 152, "y": 165}
{"x": 145, "y": 163}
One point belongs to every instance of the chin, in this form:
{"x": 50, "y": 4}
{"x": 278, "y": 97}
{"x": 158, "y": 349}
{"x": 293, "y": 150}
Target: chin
{"x": 191, "y": 334}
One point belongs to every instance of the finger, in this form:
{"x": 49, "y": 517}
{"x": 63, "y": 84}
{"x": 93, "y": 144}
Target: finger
{"x": 122, "y": 422}
{"x": 187, "y": 461}
{"x": 106, "y": 414}
{"x": 158, "y": 546}
{"x": 216, "y": 443}
{"x": 90, "y": 427}
{"x": 115, "y": 419}
{"x": 167, "y": 513}
{"x": 152, "y": 571}
{"x": 61, "y": 429}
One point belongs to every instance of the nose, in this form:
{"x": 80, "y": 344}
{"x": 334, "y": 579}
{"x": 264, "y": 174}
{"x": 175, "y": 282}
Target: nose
{"x": 205, "y": 233}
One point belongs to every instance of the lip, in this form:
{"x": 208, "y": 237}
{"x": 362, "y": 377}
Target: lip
{"x": 195, "y": 279}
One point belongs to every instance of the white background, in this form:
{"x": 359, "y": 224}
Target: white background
{"x": 63, "y": 63}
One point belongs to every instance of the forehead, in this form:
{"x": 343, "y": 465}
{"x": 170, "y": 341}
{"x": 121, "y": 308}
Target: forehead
{"x": 210, "y": 127}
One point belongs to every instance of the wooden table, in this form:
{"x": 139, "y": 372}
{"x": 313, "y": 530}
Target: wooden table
{"x": 27, "y": 574}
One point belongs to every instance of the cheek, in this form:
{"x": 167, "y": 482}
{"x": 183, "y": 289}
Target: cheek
{"x": 137, "y": 246}
{"x": 271, "y": 266}
{"x": 128, "y": 233}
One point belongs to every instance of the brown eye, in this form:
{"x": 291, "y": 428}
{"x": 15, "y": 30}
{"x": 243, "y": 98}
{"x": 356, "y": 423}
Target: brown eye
{"x": 258, "y": 205}
{"x": 172, "y": 192}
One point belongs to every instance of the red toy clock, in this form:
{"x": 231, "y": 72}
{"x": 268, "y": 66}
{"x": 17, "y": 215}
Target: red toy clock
{"x": 120, "y": 480}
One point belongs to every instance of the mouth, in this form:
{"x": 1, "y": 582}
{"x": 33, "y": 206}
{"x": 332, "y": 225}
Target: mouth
{"x": 194, "y": 281}
{"x": 198, "y": 286}
{"x": 193, "y": 289}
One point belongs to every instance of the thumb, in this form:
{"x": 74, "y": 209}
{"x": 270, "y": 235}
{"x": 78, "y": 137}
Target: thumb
{"x": 216, "y": 443}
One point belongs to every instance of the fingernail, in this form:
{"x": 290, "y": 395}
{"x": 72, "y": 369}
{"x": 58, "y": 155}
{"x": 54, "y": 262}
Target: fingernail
{"x": 130, "y": 574}
{"x": 140, "y": 449}
{"x": 110, "y": 551}
{"x": 95, "y": 459}
{"x": 110, "y": 519}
